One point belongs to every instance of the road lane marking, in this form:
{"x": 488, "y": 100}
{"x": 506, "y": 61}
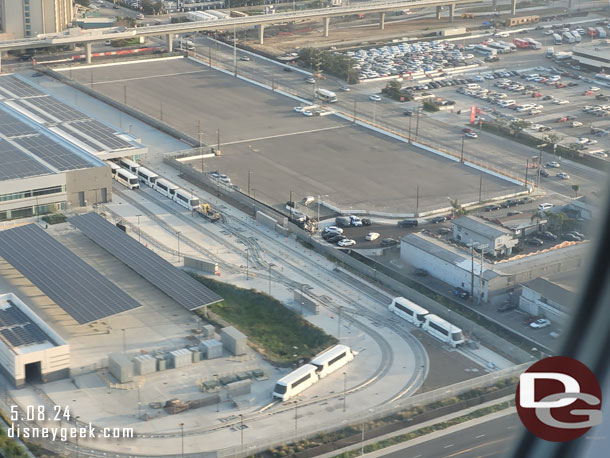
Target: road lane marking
{"x": 461, "y": 452}
{"x": 479, "y": 436}
{"x": 97, "y": 83}
{"x": 284, "y": 135}
{"x": 447, "y": 446}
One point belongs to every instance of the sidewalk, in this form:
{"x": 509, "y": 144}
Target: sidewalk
{"x": 430, "y": 436}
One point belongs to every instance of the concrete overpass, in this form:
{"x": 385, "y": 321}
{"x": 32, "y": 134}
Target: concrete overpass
{"x": 72, "y": 36}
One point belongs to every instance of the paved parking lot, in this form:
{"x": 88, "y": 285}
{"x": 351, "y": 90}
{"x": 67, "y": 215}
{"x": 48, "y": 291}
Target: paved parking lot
{"x": 264, "y": 142}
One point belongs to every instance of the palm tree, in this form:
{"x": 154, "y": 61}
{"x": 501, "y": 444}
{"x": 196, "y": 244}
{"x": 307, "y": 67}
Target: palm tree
{"x": 576, "y": 188}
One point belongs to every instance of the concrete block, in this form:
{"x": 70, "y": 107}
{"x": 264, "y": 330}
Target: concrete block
{"x": 211, "y": 349}
{"x": 181, "y": 358}
{"x": 120, "y": 367}
{"x": 234, "y": 341}
{"x": 145, "y": 364}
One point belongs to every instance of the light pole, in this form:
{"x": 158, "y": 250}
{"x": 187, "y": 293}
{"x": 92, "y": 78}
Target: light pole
{"x": 362, "y": 442}
{"x": 241, "y": 429}
{"x": 178, "y": 234}
{"x": 124, "y": 341}
{"x": 270, "y": 266}
{"x": 182, "y": 439}
{"x": 249, "y": 176}
{"x": 344, "y": 390}
{"x": 462, "y": 155}
{"x": 247, "y": 264}
{"x": 138, "y": 216}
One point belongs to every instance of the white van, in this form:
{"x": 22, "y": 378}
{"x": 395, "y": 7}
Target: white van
{"x": 473, "y": 86}
{"x": 544, "y": 207}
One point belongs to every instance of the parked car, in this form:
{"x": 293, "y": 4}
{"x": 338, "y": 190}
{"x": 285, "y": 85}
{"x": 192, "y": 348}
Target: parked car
{"x": 333, "y": 229}
{"x": 514, "y": 213}
{"x": 438, "y": 219}
{"x": 548, "y": 235}
{"x": 389, "y": 242}
{"x": 336, "y": 238}
{"x": 371, "y": 236}
{"x": 540, "y": 323}
{"x": 375, "y": 98}
{"x": 534, "y": 241}
{"x": 570, "y": 238}
{"x": 421, "y": 272}
{"x": 471, "y": 135}
{"x": 343, "y": 221}
{"x": 460, "y": 292}
{"x": 444, "y": 231}
{"x": 408, "y": 223}
{"x": 491, "y": 208}
{"x": 553, "y": 164}
{"x": 544, "y": 173}
{"x": 545, "y": 206}
{"x": 346, "y": 242}
{"x": 563, "y": 176}
{"x": 366, "y": 222}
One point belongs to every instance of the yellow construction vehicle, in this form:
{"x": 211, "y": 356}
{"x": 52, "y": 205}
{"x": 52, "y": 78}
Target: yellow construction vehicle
{"x": 467, "y": 16}
{"x": 208, "y": 212}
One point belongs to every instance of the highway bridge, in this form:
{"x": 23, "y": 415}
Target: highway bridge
{"x": 72, "y": 36}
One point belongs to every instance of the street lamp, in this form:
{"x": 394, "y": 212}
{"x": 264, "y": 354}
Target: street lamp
{"x": 344, "y": 390}
{"x": 178, "y": 234}
{"x": 139, "y": 228}
{"x": 247, "y": 264}
{"x": 270, "y": 266}
{"x": 241, "y": 429}
{"x": 182, "y": 438}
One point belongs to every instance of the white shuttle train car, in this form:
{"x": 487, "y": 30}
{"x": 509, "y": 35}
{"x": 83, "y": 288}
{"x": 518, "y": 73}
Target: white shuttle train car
{"x": 409, "y": 311}
{"x": 186, "y": 199}
{"x": 332, "y": 359}
{"x": 147, "y": 177}
{"x": 129, "y": 165}
{"x": 114, "y": 168}
{"x": 443, "y": 330}
{"x": 295, "y": 382}
{"x": 167, "y": 188}
{"x": 128, "y": 179}
{"x": 322, "y": 365}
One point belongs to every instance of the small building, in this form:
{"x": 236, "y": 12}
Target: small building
{"x": 552, "y": 296}
{"x": 30, "y": 351}
{"x": 455, "y": 266}
{"x": 234, "y": 341}
{"x": 585, "y": 207}
{"x": 475, "y": 230}
{"x": 522, "y": 225}
{"x": 121, "y": 367}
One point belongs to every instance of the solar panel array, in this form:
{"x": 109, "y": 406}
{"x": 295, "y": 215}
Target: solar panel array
{"x": 178, "y": 285}
{"x": 13, "y": 127}
{"x": 53, "y": 153}
{"x": 17, "y": 328}
{"x": 71, "y": 283}
{"x": 17, "y": 164}
{"x": 22, "y": 103}
{"x": 11, "y": 86}
{"x": 57, "y": 109}
{"x": 82, "y": 138}
{"x": 102, "y": 133}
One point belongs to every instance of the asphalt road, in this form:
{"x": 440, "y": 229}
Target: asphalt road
{"x": 443, "y": 128}
{"x": 267, "y": 145}
{"x": 494, "y": 438}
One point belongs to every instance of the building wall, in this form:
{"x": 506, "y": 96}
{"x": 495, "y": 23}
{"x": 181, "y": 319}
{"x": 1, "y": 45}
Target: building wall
{"x": 10, "y": 209}
{"x": 91, "y": 183}
{"x": 532, "y": 302}
{"x": 443, "y": 270}
{"x": 45, "y": 16}
{"x": 499, "y": 245}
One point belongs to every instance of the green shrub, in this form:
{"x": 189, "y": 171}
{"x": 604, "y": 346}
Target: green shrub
{"x": 55, "y": 218}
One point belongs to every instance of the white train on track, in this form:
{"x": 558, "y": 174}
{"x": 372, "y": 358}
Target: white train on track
{"x": 432, "y": 324}
{"x": 302, "y": 378}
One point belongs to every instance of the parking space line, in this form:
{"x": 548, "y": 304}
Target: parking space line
{"x": 97, "y": 83}
{"x": 284, "y": 135}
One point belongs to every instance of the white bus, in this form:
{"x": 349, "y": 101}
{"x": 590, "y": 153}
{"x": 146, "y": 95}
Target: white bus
{"x": 408, "y": 310}
{"x": 165, "y": 187}
{"x": 113, "y": 168}
{"x": 576, "y": 35}
{"x": 128, "y": 179}
{"x": 485, "y": 50}
{"x": 129, "y": 164}
{"x": 331, "y": 360}
{"x": 568, "y": 37}
{"x": 295, "y": 382}
{"x": 186, "y": 199}
{"x": 443, "y": 330}
{"x": 147, "y": 177}
{"x": 602, "y": 78}
{"x": 557, "y": 39}
{"x": 533, "y": 44}
{"x": 326, "y": 95}
{"x": 498, "y": 47}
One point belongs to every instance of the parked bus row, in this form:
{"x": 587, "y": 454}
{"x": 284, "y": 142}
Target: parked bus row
{"x": 422, "y": 318}
{"x": 302, "y": 378}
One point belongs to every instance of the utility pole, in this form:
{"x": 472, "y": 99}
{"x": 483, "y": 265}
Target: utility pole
{"x": 344, "y": 390}
{"x": 527, "y": 165}
{"x": 218, "y": 141}
{"x": 410, "y": 120}
{"x": 462, "y": 155}
{"x": 480, "y": 187}
{"x": 247, "y": 264}
{"x": 234, "y": 51}
{"x": 417, "y": 201}
{"x": 480, "y": 295}
{"x": 417, "y": 122}
{"x": 124, "y": 94}
{"x": 471, "y": 269}
{"x": 291, "y": 203}
{"x": 249, "y": 174}
{"x": 339, "y": 322}
{"x": 355, "y": 104}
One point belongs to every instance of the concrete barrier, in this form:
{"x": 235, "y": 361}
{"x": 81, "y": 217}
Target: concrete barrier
{"x": 266, "y": 220}
{"x": 201, "y": 265}
{"x": 306, "y": 303}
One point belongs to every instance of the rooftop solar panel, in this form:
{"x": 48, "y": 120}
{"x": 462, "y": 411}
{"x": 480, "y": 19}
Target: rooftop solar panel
{"x": 12, "y": 86}
{"x": 102, "y": 134}
{"x": 22, "y": 103}
{"x": 13, "y": 127}
{"x": 57, "y": 109}
{"x": 53, "y": 153}
{"x": 17, "y": 164}
{"x": 178, "y": 285}
{"x": 82, "y": 138}
{"x": 71, "y": 283}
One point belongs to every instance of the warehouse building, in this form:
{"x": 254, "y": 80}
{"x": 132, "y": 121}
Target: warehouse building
{"x": 594, "y": 56}
{"x": 552, "y": 296}
{"x": 51, "y": 155}
{"x": 492, "y": 281}
{"x": 28, "y": 18}
{"x": 30, "y": 351}
{"x": 474, "y": 230}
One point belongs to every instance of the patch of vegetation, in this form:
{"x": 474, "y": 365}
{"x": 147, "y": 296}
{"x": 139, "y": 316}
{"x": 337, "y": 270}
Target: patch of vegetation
{"x": 55, "y": 218}
{"x": 335, "y": 64}
{"x": 429, "y": 106}
{"x": 9, "y": 447}
{"x": 393, "y": 89}
{"x": 281, "y": 335}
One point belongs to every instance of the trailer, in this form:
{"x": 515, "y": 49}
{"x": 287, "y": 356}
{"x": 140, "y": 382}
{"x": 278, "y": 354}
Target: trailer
{"x": 208, "y": 212}
{"x": 519, "y": 43}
